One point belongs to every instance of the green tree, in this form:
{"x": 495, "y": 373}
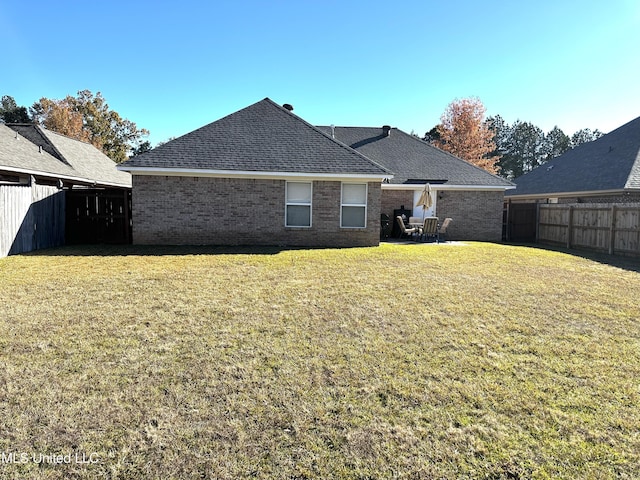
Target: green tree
{"x": 141, "y": 148}
{"x": 520, "y": 146}
{"x": 523, "y": 146}
{"x": 102, "y": 127}
{"x": 432, "y": 136}
{"x": 501, "y": 134}
{"x": 585, "y": 135}
{"x": 10, "y": 112}
{"x": 555, "y": 143}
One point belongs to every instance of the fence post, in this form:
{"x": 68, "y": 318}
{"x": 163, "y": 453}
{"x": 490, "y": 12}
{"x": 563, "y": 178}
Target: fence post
{"x": 570, "y": 226}
{"x": 537, "y": 222}
{"x": 612, "y": 230}
{"x": 126, "y": 215}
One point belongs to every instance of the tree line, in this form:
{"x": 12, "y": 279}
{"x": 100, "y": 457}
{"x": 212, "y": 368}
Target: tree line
{"x": 509, "y": 150}
{"x": 86, "y": 117}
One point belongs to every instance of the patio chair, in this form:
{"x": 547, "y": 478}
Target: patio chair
{"x": 404, "y": 230}
{"x": 442, "y": 231}
{"x": 430, "y": 229}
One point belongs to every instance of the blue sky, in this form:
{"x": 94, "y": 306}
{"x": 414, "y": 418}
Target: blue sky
{"x": 174, "y": 66}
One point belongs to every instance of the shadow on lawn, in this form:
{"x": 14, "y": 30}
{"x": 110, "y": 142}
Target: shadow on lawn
{"x": 153, "y": 250}
{"x": 619, "y": 261}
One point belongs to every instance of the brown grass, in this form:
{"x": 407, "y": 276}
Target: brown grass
{"x": 402, "y": 361}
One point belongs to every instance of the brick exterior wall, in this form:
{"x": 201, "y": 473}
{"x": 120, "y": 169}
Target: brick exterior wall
{"x": 477, "y": 215}
{"x": 631, "y": 197}
{"x": 394, "y": 199}
{"x": 171, "y": 210}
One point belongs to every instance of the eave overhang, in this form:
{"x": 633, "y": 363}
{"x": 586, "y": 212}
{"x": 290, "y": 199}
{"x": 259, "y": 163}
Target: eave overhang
{"x": 189, "y": 172}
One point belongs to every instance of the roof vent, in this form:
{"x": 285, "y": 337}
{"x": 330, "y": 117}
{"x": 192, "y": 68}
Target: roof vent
{"x": 288, "y": 106}
{"x": 386, "y": 130}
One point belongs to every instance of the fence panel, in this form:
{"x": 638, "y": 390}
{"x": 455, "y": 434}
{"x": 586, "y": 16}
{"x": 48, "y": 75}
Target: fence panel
{"x": 31, "y": 217}
{"x": 627, "y": 238}
{"x": 553, "y": 224}
{"x": 609, "y": 228}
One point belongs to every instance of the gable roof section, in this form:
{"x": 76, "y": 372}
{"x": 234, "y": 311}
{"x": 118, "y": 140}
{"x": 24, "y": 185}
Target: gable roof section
{"x": 88, "y": 161}
{"x": 263, "y": 138}
{"x": 610, "y": 163}
{"x": 412, "y": 160}
{"x": 19, "y": 154}
{"x": 61, "y": 157}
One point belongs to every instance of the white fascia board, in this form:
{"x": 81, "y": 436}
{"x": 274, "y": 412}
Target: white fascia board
{"x": 76, "y": 180}
{"x": 188, "y": 172}
{"x": 27, "y": 171}
{"x": 442, "y": 187}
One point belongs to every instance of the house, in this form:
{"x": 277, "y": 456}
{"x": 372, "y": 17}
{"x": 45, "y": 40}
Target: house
{"x": 470, "y": 195}
{"x": 260, "y": 176}
{"x": 606, "y": 170}
{"x": 263, "y": 175}
{"x": 42, "y": 173}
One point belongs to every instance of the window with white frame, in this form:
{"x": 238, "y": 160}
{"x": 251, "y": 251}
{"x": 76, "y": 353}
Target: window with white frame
{"x": 298, "y": 204}
{"x": 353, "y": 212}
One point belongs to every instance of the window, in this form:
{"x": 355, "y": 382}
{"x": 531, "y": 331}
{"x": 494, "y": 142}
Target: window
{"x": 354, "y": 205}
{"x": 298, "y": 204}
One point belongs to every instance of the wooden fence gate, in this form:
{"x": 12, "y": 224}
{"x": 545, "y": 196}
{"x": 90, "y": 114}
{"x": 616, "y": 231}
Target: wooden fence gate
{"x": 98, "y": 216}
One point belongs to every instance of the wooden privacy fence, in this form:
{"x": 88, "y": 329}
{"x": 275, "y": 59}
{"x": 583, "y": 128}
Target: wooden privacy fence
{"x": 31, "y": 217}
{"x": 614, "y": 229}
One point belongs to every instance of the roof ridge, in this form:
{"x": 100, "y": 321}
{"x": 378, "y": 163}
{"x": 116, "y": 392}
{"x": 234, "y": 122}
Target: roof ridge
{"x": 206, "y": 125}
{"x": 326, "y": 135}
{"x": 86, "y": 142}
{"x": 43, "y": 132}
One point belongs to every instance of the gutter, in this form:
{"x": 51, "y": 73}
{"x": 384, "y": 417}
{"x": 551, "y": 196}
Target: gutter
{"x": 75, "y": 180}
{"x": 442, "y": 187}
{"x": 569, "y": 194}
{"x": 196, "y": 172}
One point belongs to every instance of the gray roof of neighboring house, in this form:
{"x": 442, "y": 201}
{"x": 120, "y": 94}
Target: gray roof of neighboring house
{"x": 263, "y": 137}
{"x": 412, "y": 160}
{"x": 611, "y": 162}
{"x": 88, "y": 161}
{"x": 61, "y": 157}
{"x": 20, "y": 154}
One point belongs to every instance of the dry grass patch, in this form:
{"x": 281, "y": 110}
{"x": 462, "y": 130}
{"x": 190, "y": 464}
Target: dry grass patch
{"x": 484, "y": 361}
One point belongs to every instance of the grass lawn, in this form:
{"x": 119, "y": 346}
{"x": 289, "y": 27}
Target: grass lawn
{"x": 401, "y": 361}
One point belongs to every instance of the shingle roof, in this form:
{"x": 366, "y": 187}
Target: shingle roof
{"x": 61, "y": 157}
{"x": 22, "y": 155}
{"x": 88, "y": 161}
{"x": 263, "y": 137}
{"x": 412, "y": 160}
{"x": 611, "y": 162}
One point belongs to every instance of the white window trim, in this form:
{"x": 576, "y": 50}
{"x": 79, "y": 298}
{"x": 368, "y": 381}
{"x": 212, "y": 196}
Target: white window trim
{"x": 366, "y": 198}
{"x": 287, "y": 204}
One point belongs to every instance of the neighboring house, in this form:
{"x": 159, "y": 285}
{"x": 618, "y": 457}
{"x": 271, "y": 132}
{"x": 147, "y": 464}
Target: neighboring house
{"x": 468, "y": 194}
{"x": 38, "y": 168}
{"x": 260, "y": 176}
{"x": 606, "y": 170}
